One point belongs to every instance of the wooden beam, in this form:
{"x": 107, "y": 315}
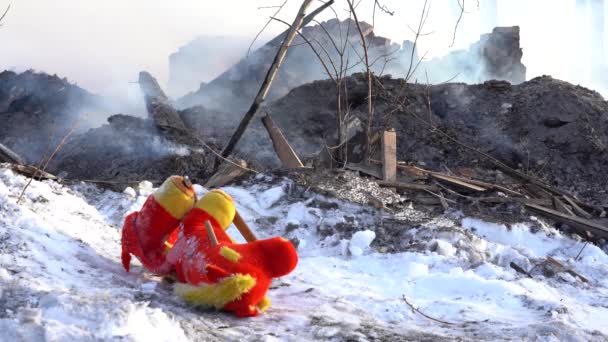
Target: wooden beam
{"x": 458, "y": 181}
{"x": 226, "y": 173}
{"x": 370, "y": 170}
{"x": 561, "y": 206}
{"x": 389, "y": 156}
{"x": 576, "y": 222}
{"x": 578, "y": 210}
{"x": 408, "y": 186}
{"x": 270, "y": 75}
{"x": 289, "y": 158}
{"x": 32, "y": 171}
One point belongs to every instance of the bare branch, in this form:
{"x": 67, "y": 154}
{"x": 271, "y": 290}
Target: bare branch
{"x": 426, "y": 9}
{"x": 265, "y": 26}
{"x": 312, "y": 48}
{"x": 4, "y": 14}
{"x": 383, "y": 8}
{"x": 458, "y": 21}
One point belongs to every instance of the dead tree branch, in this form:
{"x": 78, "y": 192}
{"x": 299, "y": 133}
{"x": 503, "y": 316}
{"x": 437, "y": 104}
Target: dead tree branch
{"x": 278, "y": 39}
{"x": 458, "y": 21}
{"x": 313, "y": 50}
{"x": 4, "y": 14}
{"x": 418, "y": 33}
{"x": 272, "y": 72}
{"x": 265, "y": 25}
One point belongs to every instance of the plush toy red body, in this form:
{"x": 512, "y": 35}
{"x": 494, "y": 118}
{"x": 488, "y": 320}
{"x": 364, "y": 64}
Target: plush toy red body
{"x": 229, "y": 276}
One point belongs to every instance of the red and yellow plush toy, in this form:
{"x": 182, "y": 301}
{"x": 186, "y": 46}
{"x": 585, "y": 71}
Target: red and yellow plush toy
{"x": 175, "y": 234}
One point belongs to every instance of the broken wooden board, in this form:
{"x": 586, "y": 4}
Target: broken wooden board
{"x": 8, "y": 156}
{"x": 458, "y": 182}
{"x": 370, "y": 170}
{"x": 389, "y": 156}
{"x": 32, "y": 171}
{"x": 408, "y": 186}
{"x": 578, "y": 210}
{"x": 566, "y": 269}
{"x": 226, "y": 173}
{"x": 289, "y": 158}
{"x": 576, "y": 222}
{"x": 561, "y": 206}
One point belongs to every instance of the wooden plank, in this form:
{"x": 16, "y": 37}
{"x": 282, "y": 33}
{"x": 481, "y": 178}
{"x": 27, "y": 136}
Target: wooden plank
{"x": 457, "y": 181}
{"x": 567, "y": 269}
{"x": 578, "y": 210}
{"x": 576, "y": 222}
{"x": 561, "y": 206}
{"x": 370, "y": 170}
{"x": 408, "y": 186}
{"x": 389, "y": 156}
{"x": 289, "y": 158}
{"x": 226, "y": 173}
{"x": 32, "y": 171}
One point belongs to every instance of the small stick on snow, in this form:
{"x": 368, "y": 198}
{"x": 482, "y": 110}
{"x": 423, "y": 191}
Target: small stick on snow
{"x": 438, "y": 320}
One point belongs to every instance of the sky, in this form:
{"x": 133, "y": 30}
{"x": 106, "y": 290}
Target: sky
{"x": 102, "y": 45}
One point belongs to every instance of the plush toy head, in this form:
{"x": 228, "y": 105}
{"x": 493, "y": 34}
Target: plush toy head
{"x": 175, "y": 196}
{"x": 218, "y": 205}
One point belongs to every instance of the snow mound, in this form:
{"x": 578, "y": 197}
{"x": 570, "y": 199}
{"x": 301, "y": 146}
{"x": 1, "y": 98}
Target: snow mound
{"x": 61, "y": 278}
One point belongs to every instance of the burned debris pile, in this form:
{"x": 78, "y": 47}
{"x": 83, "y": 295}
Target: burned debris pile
{"x": 37, "y": 110}
{"x": 496, "y": 148}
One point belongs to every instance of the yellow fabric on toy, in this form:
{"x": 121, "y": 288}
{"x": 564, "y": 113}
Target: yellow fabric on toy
{"x": 176, "y": 199}
{"x": 264, "y": 304}
{"x": 216, "y": 295}
{"x": 219, "y": 205}
{"x": 230, "y": 254}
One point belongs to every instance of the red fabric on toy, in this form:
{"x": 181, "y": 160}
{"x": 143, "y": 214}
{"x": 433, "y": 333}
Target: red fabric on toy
{"x": 143, "y": 235}
{"x": 197, "y": 261}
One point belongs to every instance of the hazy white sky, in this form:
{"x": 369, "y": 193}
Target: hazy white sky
{"x": 101, "y": 45}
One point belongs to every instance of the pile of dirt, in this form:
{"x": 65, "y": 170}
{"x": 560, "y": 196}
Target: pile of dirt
{"x": 127, "y": 150}
{"x": 37, "y": 110}
{"x": 547, "y": 128}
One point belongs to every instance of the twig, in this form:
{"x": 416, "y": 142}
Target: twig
{"x": 423, "y": 17}
{"x": 415, "y": 309}
{"x": 458, "y": 21}
{"x": 265, "y": 25}
{"x": 5, "y": 12}
{"x": 438, "y": 320}
{"x": 581, "y": 251}
{"x": 48, "y": 160}
{"x": 218, "y": 155}
{"x": 312, "y": 48}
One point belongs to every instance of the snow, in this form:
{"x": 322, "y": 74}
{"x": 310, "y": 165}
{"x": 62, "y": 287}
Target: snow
{"x": 360, "y": 242}
{"x": 61, "y": 278}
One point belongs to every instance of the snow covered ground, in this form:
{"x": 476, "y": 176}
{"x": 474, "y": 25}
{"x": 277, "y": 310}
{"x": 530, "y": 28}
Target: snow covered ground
{"x": 61, "y": 278}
